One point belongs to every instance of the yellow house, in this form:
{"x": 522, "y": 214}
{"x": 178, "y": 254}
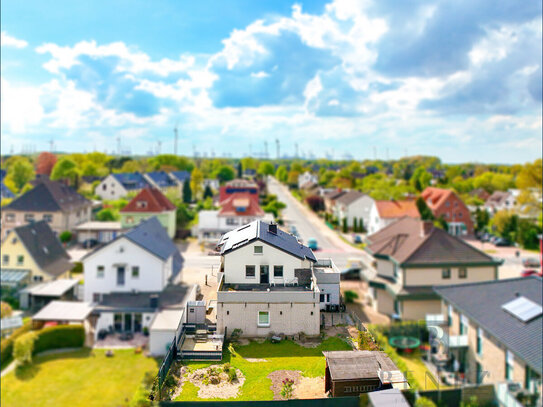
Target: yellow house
{"x": 32, "y": 253}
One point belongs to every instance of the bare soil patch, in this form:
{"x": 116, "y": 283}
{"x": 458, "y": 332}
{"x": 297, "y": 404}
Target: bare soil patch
{"x": 310, "y": 388}
{"x": 222, "y": 390}
{"x": 277, "y": 378}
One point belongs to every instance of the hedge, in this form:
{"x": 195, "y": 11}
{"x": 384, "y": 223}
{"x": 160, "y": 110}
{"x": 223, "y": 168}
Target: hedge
{"x": 6, "y": 346}
{"x": 61, "y": 336}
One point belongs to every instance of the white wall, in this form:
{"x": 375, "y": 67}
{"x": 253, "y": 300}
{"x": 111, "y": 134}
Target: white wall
{"x": 235, "y": 262}
{"x": 359, "y": 209}
{"x": 113, "y": 189}
{"x": 106, "y": 319}
{"x": 159, "y": 341}
{"x": 151, "y": 275}
{"x": 333, "y": 290}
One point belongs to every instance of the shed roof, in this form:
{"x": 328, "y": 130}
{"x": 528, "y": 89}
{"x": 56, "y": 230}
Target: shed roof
{"x": 181, "y": 175}
{"x": 54, "y": 288}
{"x": 386, "y": 398}
{"x": 98, "y": 225}
{"x": 167, "y": 320}
{"x": 360, "y": 364}
{"x": 64, "y": 311}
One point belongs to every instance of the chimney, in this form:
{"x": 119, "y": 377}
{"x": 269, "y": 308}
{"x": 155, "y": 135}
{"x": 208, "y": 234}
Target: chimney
{"x": 425, "y": 228}
{"x": 272, "y": 228}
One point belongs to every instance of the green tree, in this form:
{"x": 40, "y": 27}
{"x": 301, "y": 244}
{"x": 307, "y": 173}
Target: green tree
{"x": 65, "y": 168}
{"x": 187, "y": 192}
{"x": 170, "y": 160}
{"x": 531, "y": 175}
{"x": 292, "y": 178}
{"x": 239, "y": 168}
{"x": 345, "y": 226}
{"x": 208, "y": 193}
{"x": 183, "y": 215}
{"x": 106, "y": 215}
{"x": 281, "y": 174}
{"x": 225, "y": 173}
{"x": 425, "y": 212}
{"x": 65, "y": 236}
{"x": 527, "y": 234}
{"x": 441, "y": 223}
{"x": 482, "y": 218}
{"x": 420, "y": 179}
{"x": 19, "y": 173}
{"x": 355, "y": 225}
{"x": 361, "y": 226}
{"x": 23, "y": 348}
{"x": 266, "y": 168}
{"x": 424, "y": 402}
{"x": 196, "y": 181}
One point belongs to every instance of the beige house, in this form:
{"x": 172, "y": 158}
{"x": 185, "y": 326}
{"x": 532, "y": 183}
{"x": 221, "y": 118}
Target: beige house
{"x": 494, "y": 331}
{"x": 55, "y": 203}
{"x": 32, "y": 253}
{"x": 411, "y": 257}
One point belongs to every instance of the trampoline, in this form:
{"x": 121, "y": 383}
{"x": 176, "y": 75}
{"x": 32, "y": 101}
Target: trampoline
{"x": 404, "y": 342}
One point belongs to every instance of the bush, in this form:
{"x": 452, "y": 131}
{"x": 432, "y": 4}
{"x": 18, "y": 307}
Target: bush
{"x": 350, "y": 296}
{"x": 5, "y": 309}
{"x": 315, "y": 202}
{"x": 6, "y": 346}
{"x": 424, "y": 402}
{"x": 62, "y": 336}
{"x": 78, "y": 267}
{"x": 65, "y": 236}
{"x": 232, "y": 375}
{"x": 24, "y": 347}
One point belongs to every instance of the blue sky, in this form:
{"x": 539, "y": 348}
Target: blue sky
{"x": 345, "y": 78}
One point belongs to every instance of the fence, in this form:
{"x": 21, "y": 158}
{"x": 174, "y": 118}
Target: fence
{"x": 167, "y": 363}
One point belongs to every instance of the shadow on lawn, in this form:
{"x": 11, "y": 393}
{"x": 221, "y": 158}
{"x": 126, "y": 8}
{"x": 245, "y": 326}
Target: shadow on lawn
{"x": 27, "y": 372}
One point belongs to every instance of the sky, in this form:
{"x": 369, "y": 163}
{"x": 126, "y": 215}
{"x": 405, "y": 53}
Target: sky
{"x": 343, "y": 79}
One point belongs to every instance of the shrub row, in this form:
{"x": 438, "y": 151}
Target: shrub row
{"x": 61, "y": 336}
{"x": 6, "y": 346}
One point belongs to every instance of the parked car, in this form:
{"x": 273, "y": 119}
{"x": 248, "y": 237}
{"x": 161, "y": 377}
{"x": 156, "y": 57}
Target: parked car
{"x": 485, "y": 237}
{"x": 501, "y": 242}
{"x": 312, "y": 243}
{"x": 528, "y": 273}
{"x": 531, "y": 262}
{"x": 293, "y": 230}
{"x": 89, "y": 243}
{"x": 357, "y": 239}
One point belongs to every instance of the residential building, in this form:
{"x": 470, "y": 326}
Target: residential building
{"x": 237, "y": 209}
{"x": 353, "y": 205}
{"x": 116, "y": 186}
{"x": 350, "y": 373}
{"x": 480, "y": 193}
{"x": 384, "y": 213}
{"x": 180, "y": 177}
{"x": 5, "y": 192}
{"x": 102, "y": 232}
{"x": 494, "y": 330}
{"x": 411, "y": 257}
{"x": 213, "y": 183}
{"x": 500, "y": 200}
{"x": 235, "y": 186}
{"x": 32, "y": 253}
{"x": 57, "y": 204}
{"x": 270, "y": 283}
{"x": 132, "y": 277}
{"x": 330, "y": 197}
{"x": 447, "y": 204}
{"x": 163, "y": 181}
{"x": 150, "y": 202}
{"x": 307, "y": 179}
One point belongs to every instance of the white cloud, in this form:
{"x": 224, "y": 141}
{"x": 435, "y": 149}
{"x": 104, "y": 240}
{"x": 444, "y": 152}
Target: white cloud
{"x": 21, "y": 107}
{"x": 9, "y": 41}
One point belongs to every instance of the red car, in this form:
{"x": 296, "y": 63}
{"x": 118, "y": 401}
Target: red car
{"x": 528, "y": 273}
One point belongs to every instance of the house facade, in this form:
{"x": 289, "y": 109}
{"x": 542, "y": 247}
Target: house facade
{"x": 32, "y": 254}
{"x": 57, "y": 204}
{"x": 117, "y": 186}
{"x": 384, "y": 213}
{"x": 413, "y": 256}
{"x": 150, "y": 202}
{"x": 447, "y": 204}
{"x": 500, "y": 200}
{"x": 268, "y": 283}
{"x": 494, "y": 331}
{"x": 164, "y": 182}
{"x": 307, "y": 179}
{"x": 353, "y": 205}
{"x": 128, "y": 278}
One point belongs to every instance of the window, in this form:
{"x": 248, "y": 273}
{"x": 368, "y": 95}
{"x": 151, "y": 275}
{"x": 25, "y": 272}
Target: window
{"x": 78, "y": 214}
{"x": 100, "y": 271}
{"x": 129, "y": 219}
{"x": 10, "y": 217}
{"x": 231, "y": 221}
{"x": 5, "y": 259}
{"x": 463, "y": 325}
{"x": 479, "y": 341}
{"x": 135, "y": 272}
{"x": 447, "y": 204}
{"x": 449, "y": 315}
{"x": 250, "y": 271}
{"x": 96, "y": 297}
{"x": 258, "y": 250}
{"x": 462, "y": 272}
{"x": 509, "y": 363}
{"x": 263, "y": 318}
{"x": 191, "y": 310}
{"x": 48, "y": 218}
{"x": 446, "y": 273}
{"x": 459, "y": 214}
{"x": 141, "y": 204}
{"x": 20, "y": 260}
{"x": 37, "y": 278}
{"x": 323, "y": 298}
{"x": 278, "y": 271}
{"x": 29, "y": 217}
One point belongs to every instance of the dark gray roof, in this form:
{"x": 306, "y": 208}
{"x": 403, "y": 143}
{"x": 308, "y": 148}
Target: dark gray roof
{"x": 358, "y": 364}
{"x": 482, "y": 303}
{"x": 259, "y": 230}
{"x": 172, "y": 297}
{"x": 349, "y": 197}
{"x": 49, "y": 196}
{"x": 44, "y": 247}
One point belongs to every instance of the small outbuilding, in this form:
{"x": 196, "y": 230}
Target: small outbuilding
{"x": 349, "y": 373}
{"x": 36, "y": 296}
{"x": 386, "y": 398}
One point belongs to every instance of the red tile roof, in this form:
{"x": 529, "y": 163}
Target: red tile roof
{"x": 397, "y": 209}
{"x": 241, "y": 204}
{"x": 435, "y": 197}
{"x": 237, "y": 186}
{"x": 155, "y": 201}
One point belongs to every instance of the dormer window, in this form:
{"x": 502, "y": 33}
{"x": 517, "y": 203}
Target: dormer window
{"x": 141, "y": 204}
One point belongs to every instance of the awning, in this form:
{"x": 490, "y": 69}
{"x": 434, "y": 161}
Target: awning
{"x": 12, "y": 276}
{"x": 64, "y": 311}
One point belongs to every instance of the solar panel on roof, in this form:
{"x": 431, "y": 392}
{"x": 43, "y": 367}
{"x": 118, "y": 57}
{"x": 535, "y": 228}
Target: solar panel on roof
{"x": 523, "y": 309}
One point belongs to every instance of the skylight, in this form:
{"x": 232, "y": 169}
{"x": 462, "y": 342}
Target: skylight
{"x": 523, "y": 309}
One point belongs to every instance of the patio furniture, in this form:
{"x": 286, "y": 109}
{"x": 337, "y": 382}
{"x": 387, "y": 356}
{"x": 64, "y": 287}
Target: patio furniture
{"x": 275, "y": 339}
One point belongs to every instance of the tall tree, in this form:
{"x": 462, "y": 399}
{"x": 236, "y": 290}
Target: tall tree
{"x": 187, "y": 192}
{"x": 45, "y": 163}
{"x": 281, "y": 174}
{"x": 19, "y": 173}
{"x": 208, "y": 193}
{"x": 424, "y": 211}
{"x": 240, "y": 170}
{"x": 65, "y": 168}
{"x": 266, "y": 168}
{"x": 225, "y": 173}
{"x": 196, "y": 181}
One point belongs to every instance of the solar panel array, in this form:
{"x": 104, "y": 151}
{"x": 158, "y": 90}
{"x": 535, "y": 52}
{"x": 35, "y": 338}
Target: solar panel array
{"x": 523, "y": 309}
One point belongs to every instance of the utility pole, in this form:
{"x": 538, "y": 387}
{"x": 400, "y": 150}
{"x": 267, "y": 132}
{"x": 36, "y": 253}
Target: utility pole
{"x": 277, "y": 146}
{"x": 175, "y": 139}
{"x": 296, "y": 150}
{"x": 265, "y": 149}
{"x": 118, "y": 145}
{"x": 159, "y": 146}
{"x": 51, "y": 145}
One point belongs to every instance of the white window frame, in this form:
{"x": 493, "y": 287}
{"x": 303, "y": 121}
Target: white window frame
{"x": 250, "y": 265}
{"x": 480, "y": 339}
{"x": 261, "y": 252}
{"x": 258, "y": 319}
{"x": 100, "y": 271}
{"x": 510, "y": 361}
{"x": 132, "y": 272}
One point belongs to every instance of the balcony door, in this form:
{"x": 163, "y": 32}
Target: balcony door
{"x": 264, "y": 274}
{"x": 120, "y": 275}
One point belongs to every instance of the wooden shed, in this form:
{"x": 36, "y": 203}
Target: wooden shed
{"x": 349, "y": 373}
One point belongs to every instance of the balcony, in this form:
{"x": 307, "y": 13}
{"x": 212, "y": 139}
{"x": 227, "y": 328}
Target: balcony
{"x": 457, "y": 341}
{"x": 435, "y": 319}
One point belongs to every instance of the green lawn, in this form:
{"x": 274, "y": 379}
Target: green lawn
{"x": 418, "y": 370}
{"x": 78, "y": 378}
{"x": 286, "y": 355}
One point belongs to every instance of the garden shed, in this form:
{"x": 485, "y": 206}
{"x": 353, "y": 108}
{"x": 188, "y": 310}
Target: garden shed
{"x": 349, "y": 373}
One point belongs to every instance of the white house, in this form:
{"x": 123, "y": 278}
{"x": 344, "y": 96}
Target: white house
{"x": 383, "y": 213}
{"x": 130, "y": 278}
{"x": 116, "y": 186}
{"x": 307, "y": 179}
{"x": 214, "y": 184}
{"x": 270, "y": 283}
{"x": 353, "y": 205}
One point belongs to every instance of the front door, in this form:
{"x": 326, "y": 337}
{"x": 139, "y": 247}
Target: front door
{"x": 128, "y": 322}
{"x": 264, "y": 274}
{"x": 120, "y": 275}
